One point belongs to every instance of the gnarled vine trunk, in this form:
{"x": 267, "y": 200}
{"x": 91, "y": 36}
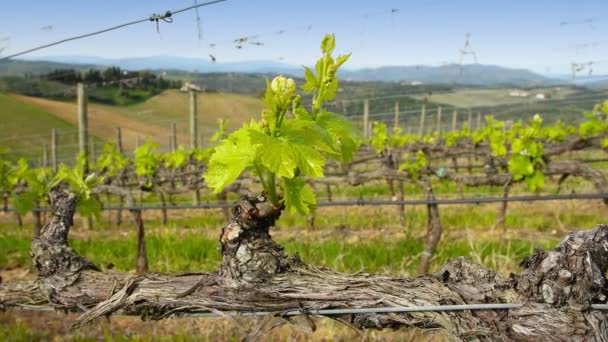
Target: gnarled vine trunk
{"x": 256, "y": 274}
{"x": 248, "y": 252}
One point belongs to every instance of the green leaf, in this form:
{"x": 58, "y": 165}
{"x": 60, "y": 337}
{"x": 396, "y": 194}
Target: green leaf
{"x": 146, "y": 159}
{"x": 536, "y": 181}
{"x": 177, "y": 159}
{"x": 298, "y": 196}
{"x": 413, "y": 165}
{"x": 230, "y": 158}
{"x": 344, "y": 137}
{"x": 312, "y": 82}
{"x": 88, "y": 207}
{"x": 379, "y": 138}
{"x": 310, "y": 162}
{"x": 302, "y": 114}
{"x": 24, "y": 201}
{"x": 307, "y": 132}
{"x": 328, "y": 44}
{"x": 520, "y": 166}
{"x": 276, "y": 155}
{"x": 341, "y": 60}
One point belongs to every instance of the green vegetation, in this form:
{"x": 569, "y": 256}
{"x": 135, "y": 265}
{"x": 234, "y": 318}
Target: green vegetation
{"x": 364, "y": 239}
{"x": 280, "y": 149}
{"x": 110, "y": 86}
{"x": 26, "y": 128}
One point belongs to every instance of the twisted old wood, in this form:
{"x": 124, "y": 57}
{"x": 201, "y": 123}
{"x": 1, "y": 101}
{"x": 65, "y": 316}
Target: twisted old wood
{"x": 256, "y": 274}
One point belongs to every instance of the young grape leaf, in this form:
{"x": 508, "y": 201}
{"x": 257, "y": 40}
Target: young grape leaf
{"x": 231, "y": 157}
{"x": 298, "y": 196}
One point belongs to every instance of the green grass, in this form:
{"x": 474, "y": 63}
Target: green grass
{"x": 26, "y": 128}
{"x": 188, "y": 252}
{"x": 173, "y": 105}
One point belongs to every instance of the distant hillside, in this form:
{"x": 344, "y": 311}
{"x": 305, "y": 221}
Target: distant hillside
{"x": 598, "y": 84}
{"x": 200, "y": 65}
{"x": 475, "y": 74}
{"x": 19, "y": 67}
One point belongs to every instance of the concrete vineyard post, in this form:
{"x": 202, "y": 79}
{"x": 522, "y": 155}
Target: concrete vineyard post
{"x": 454, "y": 119}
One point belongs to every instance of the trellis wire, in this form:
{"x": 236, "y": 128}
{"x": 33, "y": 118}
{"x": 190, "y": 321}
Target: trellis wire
{"x": 153, "y": 17}
{"x": 362, "y": 202}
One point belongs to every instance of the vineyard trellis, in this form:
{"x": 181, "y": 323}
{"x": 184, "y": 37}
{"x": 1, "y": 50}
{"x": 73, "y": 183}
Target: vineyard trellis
{"x": 281, "y": 157}
{"x": 392, "y": 157}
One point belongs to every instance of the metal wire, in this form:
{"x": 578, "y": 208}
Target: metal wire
{"x": 362, "y": 202}
{"x": 154, "y": 17}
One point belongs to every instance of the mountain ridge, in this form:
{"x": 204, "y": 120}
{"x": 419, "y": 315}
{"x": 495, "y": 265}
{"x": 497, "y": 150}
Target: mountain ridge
{"x": 470, "y": 74}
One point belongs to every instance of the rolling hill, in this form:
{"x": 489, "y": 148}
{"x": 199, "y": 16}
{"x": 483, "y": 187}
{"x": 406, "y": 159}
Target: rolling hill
{"x": 151, "y": 119}
{"x": 26, "y": 127}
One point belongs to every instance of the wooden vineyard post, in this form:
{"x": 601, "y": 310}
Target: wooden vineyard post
{"x": 120, "y": 198}
{"x": 478, "y": 120}
{"x": 193, "y": 120}
{"x": 54, "y": 149}
{"x": 469, "y": 160}
{"x": 396, "y": 121}
{"x": 83, "y": 135}
{"x": 194, "y": 135}
{"x": 422, "y": 115}
{"x": 83, "y": 124}
{"x": 401, "y": 207}
{"x": 433, "y": 231}
{"x": 439, "y": 119}
{"x": 119, "y": 140}
{"x": 454, "y": 120}
{"x": 142, "y": 255}
{"x": 502, "y": 215}
{"x": 366, "y": 119}
{"x": 173, "y": 137}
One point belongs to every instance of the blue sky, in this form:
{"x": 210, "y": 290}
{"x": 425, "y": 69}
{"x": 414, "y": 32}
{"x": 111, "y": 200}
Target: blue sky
{"x": 545, "y": 36}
